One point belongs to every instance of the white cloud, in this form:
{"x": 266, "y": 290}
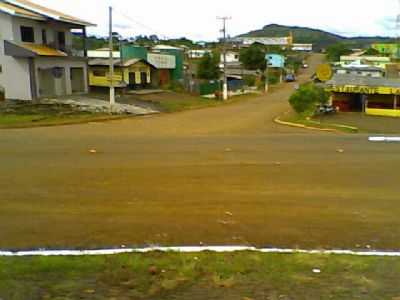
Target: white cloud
{"x": 197, "y": 19}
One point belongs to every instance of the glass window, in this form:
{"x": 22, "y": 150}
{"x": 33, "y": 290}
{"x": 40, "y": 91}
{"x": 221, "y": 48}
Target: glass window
{"x": 61, "y": 40}
{"x": 27, "y": 34}
{"x": 44, "y": 36}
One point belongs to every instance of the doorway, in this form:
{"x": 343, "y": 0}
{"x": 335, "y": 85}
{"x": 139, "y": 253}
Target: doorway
{"x": 132, "y": 79}
{"x": 77, "y": 80}
{"x": 46, "y": 83}
{"x": 143, "y": 79}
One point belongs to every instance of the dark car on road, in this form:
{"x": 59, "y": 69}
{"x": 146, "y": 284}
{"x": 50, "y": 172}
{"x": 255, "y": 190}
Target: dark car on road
{"x": 326, "y": 109}
{"x": 290, "y": 78}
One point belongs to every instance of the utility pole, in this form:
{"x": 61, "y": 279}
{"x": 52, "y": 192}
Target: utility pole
{"x": 398, "y": 35}
{"x": 225, "y": 85}
{"x": 111, "y": 73}
{"x": 266, "y": 74}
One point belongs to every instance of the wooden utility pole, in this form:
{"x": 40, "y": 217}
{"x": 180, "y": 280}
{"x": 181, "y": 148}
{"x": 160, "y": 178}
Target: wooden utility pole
{"x": 225, "y": 84}
{"x": 111, "y": 46}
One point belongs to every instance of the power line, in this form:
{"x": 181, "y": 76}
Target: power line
{"x": 141, "y": 24}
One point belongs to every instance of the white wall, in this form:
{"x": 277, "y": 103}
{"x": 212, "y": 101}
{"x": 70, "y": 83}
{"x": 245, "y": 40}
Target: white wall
{"x": 67, "y": 64}
{"x": 230, "y": 57}
{"x": 51, "y": 30}
{"x": 14, "y": 77}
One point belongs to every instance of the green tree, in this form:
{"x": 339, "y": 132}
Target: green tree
{"x": 372, "y": 52}
{"x": 307, "y": 97}
{"x": 253, "y": 58}
{"x": 334, "y": 52}
{"x": 208, "y": 67}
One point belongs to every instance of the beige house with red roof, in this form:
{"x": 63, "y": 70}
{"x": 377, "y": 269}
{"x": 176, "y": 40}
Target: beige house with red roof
{"x": 37, "y": 59}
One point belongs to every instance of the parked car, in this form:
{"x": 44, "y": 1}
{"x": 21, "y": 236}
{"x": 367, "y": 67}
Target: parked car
{"x": 305, "y": 66}
{"x": 290, "y": 78}
{"x": 326, "y": 109}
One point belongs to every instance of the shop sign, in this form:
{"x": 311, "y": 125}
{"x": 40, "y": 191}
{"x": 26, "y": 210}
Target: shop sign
{"x": 367, "y": 90}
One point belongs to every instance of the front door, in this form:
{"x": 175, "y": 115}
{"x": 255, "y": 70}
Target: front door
{"x": 77, "y": 80}
{"x": 132, "y": 79}
{"x": 143, "y": 78}
{"x": 46, "y": 83}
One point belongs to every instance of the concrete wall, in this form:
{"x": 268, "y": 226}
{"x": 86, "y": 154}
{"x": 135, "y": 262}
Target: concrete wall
{"x": 230, "y": 57}
{"x": 14, "y": 77}
{"x": 395, "y": 113}
{"x": 67, "y": 64}
{"x": 51, "y": 29}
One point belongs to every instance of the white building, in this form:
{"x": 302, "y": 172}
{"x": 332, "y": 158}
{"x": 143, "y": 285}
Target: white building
{"x": 231, "y": 57}
{"x": 36, "y": 54}
{"x": 198, "y": 53}
{"x": 302, "y": 47}
{"x": 103, "y": 53}
{"x": 266, "y": 41}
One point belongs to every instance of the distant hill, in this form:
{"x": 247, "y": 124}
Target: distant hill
{"x": 320, "y": 39}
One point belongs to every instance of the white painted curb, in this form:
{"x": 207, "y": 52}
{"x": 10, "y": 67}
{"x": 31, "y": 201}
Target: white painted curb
{"x": 217, "y": 249}
{"x": 384, "y": 139}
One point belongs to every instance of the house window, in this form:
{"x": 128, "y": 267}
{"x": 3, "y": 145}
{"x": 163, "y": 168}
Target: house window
{"x": 44, "y": 37}
{"x": 1, "y": 69}
{"x": 27, "y": 34}
{"x": 61, "y": 40}
{"x": 99, "y": 73}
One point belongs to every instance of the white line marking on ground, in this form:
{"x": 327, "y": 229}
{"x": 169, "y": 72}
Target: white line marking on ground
{"x": 218, "y": 249}
{"x": 384, "y": 139}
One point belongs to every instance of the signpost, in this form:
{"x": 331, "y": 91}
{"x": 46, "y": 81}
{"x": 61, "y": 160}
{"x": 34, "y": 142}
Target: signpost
{"x": 324, "y": 72}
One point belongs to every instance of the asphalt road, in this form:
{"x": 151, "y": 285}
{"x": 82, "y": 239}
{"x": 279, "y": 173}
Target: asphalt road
{"x": 216, "y": 176}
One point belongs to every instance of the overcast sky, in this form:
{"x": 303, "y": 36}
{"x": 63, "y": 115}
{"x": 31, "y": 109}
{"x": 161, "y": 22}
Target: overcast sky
{"x": 197, "y": 19}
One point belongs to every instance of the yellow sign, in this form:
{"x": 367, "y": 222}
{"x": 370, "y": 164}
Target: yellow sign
{"x": 367, "y": 90}
{"x": 324, "y": 72}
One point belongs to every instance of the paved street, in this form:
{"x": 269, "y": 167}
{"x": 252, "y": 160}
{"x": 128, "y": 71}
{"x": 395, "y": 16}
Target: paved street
{"x": 222, "y": 175}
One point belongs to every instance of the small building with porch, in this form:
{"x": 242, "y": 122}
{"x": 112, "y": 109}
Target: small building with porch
{"x": 132, "y": 73}
{"x": 371, "y": 95}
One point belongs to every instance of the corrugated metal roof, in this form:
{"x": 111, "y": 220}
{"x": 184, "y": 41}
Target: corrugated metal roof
{"x": 32, "y": 50}
{"x": 361, "y": 68}
{"x": 20, "y": 12}
{"x": 103, "y": 54}
{"x": 43, "y": 50}
{"x": 354, "y": 80}
{"x": 117, "y": 62}
{"x": 45, "y": 12}
{"x": 166, "y": 47}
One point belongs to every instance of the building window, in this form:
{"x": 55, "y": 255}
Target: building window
{"x": 27, "y": 34}
{"x": 99, "y": 73}
{"x": 44, "y": 37}
{"x": 1, "y": 69}
{"x": 61, "y": 40}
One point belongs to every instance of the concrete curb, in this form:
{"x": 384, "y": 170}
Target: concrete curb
{"x": 297, "y": 125}
{"x": 302, "y": 126}
{"x": 183, "y": 249}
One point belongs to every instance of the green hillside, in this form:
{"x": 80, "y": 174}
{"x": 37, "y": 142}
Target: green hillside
{"x": 320, "y": 38}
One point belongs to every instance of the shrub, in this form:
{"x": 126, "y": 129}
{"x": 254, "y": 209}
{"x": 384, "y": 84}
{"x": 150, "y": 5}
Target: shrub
{"x": 273, "y": 79}
{"x": 250, "y": 80}
{"x": 2, "y": 94}
{"x": 208, "y": 67}
{"x": 307, "y": 97}
{"x": 175, "y": 86}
